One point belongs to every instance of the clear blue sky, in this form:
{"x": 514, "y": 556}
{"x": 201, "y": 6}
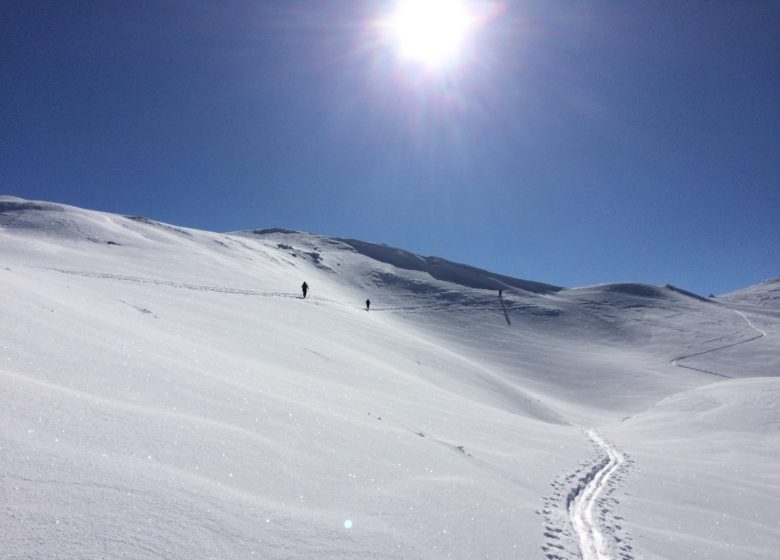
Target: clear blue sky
{"x": 574, "y": 143}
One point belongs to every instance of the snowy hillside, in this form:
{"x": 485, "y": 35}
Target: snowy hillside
{"x": 168, "y": 393}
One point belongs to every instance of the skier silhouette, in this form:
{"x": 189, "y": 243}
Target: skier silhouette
{"x": 368, "y": 304}
{"x": 500, "y": 293}
{"x": 305, "y": 289}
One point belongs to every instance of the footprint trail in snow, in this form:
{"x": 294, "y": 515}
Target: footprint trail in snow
{"x": 579, "y": 518}
{"x": 593, "y": 545}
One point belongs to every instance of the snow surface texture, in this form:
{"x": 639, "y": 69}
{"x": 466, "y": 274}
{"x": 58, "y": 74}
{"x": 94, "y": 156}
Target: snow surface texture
{"x": 168, "y": 393}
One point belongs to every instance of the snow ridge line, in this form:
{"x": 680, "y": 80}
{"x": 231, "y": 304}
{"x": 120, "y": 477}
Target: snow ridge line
{"x": 761, "y": 334}
{"x": 582, "y": 501}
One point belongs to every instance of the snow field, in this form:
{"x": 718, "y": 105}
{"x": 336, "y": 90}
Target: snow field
{"x": 167, "y": 393}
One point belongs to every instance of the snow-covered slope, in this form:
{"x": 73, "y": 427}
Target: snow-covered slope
{"x": 709, "y": 480}
{"x": 168, "y": 393}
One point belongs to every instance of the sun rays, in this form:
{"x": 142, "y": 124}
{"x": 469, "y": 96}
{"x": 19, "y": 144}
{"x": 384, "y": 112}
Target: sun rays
{"x": 430, "y": 32}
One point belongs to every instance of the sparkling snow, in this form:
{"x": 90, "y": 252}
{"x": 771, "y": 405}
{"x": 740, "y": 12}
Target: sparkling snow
{"x": 167, "y": 393}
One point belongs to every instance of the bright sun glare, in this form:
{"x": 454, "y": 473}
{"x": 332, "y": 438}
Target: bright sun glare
{"x": 430, "y": 32}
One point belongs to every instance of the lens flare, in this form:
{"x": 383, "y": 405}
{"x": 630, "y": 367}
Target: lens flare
{"x": 430, "y": 32}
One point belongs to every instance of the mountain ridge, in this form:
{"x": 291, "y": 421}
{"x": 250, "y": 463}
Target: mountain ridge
{"x": 438, "y": 267}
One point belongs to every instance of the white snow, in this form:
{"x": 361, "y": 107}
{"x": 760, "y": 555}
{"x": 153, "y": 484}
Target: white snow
{"x": 593, "y": 545}
{"x": 167, "y": 393}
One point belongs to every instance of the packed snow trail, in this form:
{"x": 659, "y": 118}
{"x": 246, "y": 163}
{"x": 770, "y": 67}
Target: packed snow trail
{"x": 592, "y": 543}
{"x": 751, "y": 325}
{"x": 427, "y": 305}
{"x": 761, "y": 334}
{"x": 188, "y": 286}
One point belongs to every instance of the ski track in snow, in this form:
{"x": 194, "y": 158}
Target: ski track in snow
{"x": 593, "y": 544}
{"x": 586, "y": 529}
{"x": 586, "y": 504}
{"x": 751, "y": 325}
{"x": 761, "y": 334}
{"x": 426, "y": 306}
{"x": 579, "y": 523}
{"x": 184, "y": 285}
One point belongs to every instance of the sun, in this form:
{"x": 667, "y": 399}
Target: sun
{"x": 429, "y": 32}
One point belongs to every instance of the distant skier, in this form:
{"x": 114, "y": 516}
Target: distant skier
{"x": 368, "y": 304}
{"x": 500, "y": 293}
{"x": 305, "y": 289}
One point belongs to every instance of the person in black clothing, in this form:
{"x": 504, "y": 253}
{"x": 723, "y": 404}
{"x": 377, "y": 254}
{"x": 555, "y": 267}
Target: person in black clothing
{"x": 368, "y": 304}
{"x": 305, "y": 288}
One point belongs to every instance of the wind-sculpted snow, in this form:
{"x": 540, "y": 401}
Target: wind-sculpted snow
{"x": 444, "y": 270}
{"x": 687, "y": 293}
{"x": 15, "y": 205}
{"x": 766, "y": 292}
{"x": 167, "y": 392}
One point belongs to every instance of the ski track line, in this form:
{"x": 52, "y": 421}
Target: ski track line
{"x": 750, "y": 324}
{"x": 761, "y": 334}
{"x": 423, "y": 307}
{"x": 187, "y": 286}
{"x": 593, "y": 545}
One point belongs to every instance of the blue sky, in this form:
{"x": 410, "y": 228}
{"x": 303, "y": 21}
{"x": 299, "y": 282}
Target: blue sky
{"x": 573, "y": 142}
